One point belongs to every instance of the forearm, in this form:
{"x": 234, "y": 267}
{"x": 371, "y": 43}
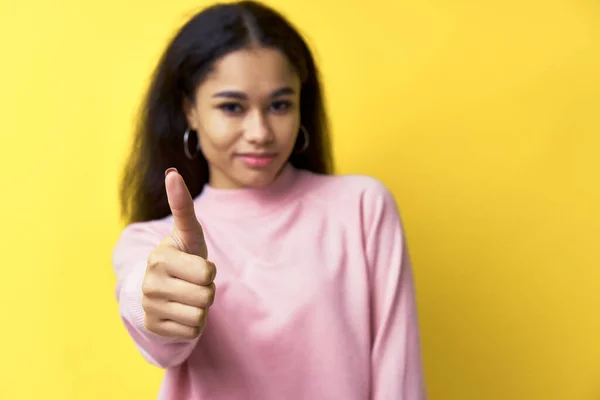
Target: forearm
{"x": 396, "y": 354}
{"x": 396, "y": 357}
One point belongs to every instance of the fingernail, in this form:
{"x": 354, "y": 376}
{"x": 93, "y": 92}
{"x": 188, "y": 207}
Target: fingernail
{"x": 170, "y": 170}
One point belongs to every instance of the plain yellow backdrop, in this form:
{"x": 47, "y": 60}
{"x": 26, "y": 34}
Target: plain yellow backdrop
{"x": 483, "y": 117}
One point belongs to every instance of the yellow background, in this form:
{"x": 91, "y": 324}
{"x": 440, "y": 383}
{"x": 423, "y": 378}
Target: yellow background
{"x": 482, "y": 116}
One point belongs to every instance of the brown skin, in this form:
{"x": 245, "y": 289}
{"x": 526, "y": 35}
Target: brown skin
{"x": 178, "y": 287}
{"x": 249, "y": 103}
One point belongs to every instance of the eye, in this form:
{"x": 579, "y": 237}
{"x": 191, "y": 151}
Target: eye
{"x": 231, "y": 108}
{"x": 281, "y": 105}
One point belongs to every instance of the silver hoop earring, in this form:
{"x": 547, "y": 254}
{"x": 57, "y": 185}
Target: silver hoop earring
{"x": 186, "y": 147}
{"x": 306, "y": 139}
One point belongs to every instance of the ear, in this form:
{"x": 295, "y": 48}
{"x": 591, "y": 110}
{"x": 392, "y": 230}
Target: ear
{"x": 190, "y": 113}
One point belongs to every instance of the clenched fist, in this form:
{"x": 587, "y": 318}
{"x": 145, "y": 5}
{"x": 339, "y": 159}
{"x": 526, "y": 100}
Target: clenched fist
{"x": 178, "y": 287}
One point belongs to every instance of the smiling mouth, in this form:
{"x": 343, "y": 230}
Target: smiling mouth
{"x": 256, "y": 160}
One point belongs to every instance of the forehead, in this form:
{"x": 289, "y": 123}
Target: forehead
{"x": 254, "y": 71}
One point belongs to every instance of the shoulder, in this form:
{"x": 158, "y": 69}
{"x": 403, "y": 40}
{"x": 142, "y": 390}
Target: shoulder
{"x": 351, "y": 198}
{"x": 358, "y": 202}
{"x": 347, "y": 188}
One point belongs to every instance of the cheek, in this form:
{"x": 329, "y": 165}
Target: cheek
{"x": 218, "y": 135}
{"x": 286, "y": 130}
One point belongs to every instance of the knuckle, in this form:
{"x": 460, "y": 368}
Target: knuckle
{"x": 201, "y": 316}
{"x": 150, "y": 289}
{"x": 211, "y": 294}
{"x": 147, "y": 288}
{"x": 158, "y": 258}
{"x": 150, "y": 324}
{"x": 213, "y": 270}
{"x": 145, "y": 304}
{"x": 210, "y": 271}
{"x": 191, "y": 333}
{"x": 149, "y": 307}
{"x": 202, "y": 322}
{"x": 154, "y": 260}
{"x": 204, "y": 297}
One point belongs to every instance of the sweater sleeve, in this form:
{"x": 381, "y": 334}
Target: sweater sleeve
{"x": 129, "y": 259}
{"x": 395, "y": 355}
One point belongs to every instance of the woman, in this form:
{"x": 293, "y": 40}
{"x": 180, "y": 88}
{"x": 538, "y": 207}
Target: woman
{"x": 315, "y": 292}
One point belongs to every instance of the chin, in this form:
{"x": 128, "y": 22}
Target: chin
{"x": 257, "y": 179}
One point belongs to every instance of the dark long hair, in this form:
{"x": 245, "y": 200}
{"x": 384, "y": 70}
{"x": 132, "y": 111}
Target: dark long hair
{"x": 206, "y": 37}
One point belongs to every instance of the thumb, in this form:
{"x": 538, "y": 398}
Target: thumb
{"x": 187, "y": 231}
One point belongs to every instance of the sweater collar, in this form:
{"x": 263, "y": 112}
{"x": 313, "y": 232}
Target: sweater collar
{"x": 249, "y": 202}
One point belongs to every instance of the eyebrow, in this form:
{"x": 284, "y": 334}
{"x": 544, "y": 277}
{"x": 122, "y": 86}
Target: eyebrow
{"x": 229, "y": 94}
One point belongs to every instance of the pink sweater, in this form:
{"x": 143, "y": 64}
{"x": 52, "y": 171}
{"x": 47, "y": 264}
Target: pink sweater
{"x": 315, "y": 296}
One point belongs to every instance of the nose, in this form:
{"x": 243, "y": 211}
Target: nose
{"x": 258, "y": 131}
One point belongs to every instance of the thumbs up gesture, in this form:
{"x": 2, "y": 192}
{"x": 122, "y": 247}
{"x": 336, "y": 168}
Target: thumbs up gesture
{"x": 178, "y": 287}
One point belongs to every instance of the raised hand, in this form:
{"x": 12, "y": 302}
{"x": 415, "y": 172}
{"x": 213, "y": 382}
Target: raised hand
{"x": 179, "y": 287}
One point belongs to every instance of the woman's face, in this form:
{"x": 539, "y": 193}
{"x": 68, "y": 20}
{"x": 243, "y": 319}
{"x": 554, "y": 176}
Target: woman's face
{"x": 247, "y": 115}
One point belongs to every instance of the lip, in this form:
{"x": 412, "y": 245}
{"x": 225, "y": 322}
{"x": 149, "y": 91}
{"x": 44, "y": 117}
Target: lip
{"x": 256, "y": 160}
